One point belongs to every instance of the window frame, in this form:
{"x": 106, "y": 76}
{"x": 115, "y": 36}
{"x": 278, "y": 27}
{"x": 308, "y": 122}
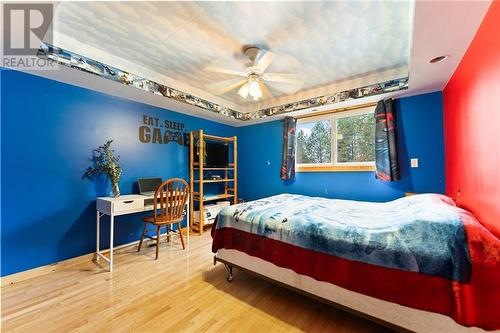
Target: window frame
{"x": 334, "y": 165}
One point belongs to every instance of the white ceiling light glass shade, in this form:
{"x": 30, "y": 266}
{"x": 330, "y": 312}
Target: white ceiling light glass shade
{"x": 254, "y": 88}
{"x": 251, "y": 88}
{"x": 243, "y": 92}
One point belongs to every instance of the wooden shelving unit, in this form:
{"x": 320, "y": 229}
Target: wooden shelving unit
{"x": 214, "y": 180}
{"x": 197, "y": 179}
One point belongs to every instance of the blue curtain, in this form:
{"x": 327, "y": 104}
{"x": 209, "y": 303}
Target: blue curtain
{"x": 288, "y": 149}
{"x": 386, "y": 156}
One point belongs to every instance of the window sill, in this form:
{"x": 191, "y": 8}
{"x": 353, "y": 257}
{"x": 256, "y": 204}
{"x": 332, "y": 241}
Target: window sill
{"x": 335, "y": 168}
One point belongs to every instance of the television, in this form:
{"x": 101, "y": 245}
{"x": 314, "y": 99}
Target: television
{"x": 216, "y": 155}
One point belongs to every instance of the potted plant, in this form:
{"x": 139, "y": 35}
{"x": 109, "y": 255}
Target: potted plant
{"x": 105, "y": 162}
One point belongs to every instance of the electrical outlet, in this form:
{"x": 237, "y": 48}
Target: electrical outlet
{"x": 414, "y": 162}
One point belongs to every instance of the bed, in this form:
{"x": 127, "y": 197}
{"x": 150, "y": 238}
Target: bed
{"x": 417, "y": 263}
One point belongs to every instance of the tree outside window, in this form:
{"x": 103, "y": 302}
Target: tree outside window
{"x": 314, "y": 142}
{"x": 356, "y": 138}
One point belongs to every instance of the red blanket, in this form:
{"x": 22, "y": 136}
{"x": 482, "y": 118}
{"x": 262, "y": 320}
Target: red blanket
{"x": 476, "y": 303}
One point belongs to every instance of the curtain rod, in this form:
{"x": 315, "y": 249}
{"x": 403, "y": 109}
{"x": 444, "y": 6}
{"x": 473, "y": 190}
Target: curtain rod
{"x": 321, "y": 113}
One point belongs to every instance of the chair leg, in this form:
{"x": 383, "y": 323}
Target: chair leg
{"x": 168, "y": 233}
{"x": 180, "y": 235}
{"x": 142, "y": 236}
{"x": 157, "y": 241}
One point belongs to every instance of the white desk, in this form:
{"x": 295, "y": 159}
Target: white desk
{"x": 122, "y": 205}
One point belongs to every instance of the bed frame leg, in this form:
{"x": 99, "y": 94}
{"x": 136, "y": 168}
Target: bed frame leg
{"x": 229, "y": 272}
{"x": 229, "y": 269}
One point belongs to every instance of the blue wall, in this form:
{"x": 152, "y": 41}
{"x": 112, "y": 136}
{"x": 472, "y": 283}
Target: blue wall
{"x": 420, "y": 124}
{"x": 48, "y": 132}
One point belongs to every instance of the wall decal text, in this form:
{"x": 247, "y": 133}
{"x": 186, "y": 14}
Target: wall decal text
{"x": 155, "y": 130}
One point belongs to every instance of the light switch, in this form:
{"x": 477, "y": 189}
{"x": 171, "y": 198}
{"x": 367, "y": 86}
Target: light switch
{"x": 414, "y": 162}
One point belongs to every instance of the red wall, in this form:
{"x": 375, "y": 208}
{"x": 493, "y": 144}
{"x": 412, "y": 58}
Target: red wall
{"x": 472, "y": 125}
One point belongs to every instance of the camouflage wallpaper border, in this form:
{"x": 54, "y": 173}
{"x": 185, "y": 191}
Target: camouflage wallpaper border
{"x": 76, "y": 61}
{"x": 366, "y": 91}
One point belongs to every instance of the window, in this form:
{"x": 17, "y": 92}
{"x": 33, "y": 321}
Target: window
{"x": 341, "y": 141}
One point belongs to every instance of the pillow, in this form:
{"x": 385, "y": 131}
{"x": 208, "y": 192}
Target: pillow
{"x": 430, "y": 197}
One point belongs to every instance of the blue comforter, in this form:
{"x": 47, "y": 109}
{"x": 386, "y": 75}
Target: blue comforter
{"x": 421, "y": 233}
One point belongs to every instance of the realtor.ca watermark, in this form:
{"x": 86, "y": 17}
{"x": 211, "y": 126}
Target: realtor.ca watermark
{"x": 25, "y": 27}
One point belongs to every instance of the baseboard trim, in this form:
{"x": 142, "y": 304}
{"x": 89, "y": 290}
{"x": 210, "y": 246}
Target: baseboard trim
{"x": 60, "y": 265}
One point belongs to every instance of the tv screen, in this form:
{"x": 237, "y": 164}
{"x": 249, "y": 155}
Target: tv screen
{"x": 216, "y": 155}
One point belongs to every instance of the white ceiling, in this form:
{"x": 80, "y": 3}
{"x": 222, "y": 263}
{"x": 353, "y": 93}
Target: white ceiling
{"x": 329, "y": 41}
{"x": 440, "y": 27}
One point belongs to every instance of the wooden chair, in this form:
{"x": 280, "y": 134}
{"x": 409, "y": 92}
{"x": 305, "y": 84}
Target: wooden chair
{"x": 170, "y": 200}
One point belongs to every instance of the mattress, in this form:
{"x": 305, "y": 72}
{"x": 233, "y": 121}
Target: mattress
{"x": 422, "y": 233}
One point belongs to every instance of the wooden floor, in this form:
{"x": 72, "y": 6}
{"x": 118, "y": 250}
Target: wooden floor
{"x": 181, "y": 292}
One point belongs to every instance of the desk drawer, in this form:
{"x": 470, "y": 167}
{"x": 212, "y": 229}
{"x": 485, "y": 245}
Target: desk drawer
{"x": 128, "y": 205}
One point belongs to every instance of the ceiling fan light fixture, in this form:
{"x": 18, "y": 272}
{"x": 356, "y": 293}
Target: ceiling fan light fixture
{"x": 254, "y": 88}
{"x": 256, "y": 82}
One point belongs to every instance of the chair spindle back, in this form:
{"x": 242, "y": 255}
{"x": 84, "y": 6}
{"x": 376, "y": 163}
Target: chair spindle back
{"x": 170, "y": 199}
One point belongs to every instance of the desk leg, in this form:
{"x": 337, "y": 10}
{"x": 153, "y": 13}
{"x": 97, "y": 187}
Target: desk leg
{"x": 111, "y": 232}
{"x": 98, "y": 222}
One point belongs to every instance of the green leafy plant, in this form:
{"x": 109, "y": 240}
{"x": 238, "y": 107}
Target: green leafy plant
{"x": 105, "y": 162}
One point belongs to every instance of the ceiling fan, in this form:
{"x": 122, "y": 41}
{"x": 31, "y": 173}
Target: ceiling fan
{"x": 253, "y": 81}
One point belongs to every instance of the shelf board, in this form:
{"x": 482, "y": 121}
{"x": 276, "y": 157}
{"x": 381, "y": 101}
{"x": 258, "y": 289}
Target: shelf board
{"x": 211, "y": 169}
{"x": 229, "y": 164}
{"x": 217, "y": 197}
{"x": 218, "y": 138}
{"x": 214, "y": 180}
{"x": 195, "y": 228}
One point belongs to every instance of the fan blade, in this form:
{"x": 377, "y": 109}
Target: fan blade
{"x": 224, "y": 71}
{"x": 284, "y": 78}
{"x": 225, "y": 86}
{"x": 264, "y": 59}
{"x": 265, "y": 91}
